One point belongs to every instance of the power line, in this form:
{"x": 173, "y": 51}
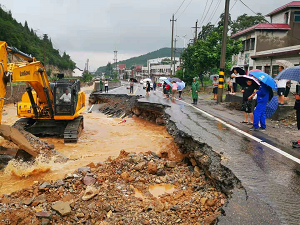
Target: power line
{"x": 206, "y": 14}
{"x": 229, "y": 11}
{"x": 215, "y": 10}
{"x": 179, "y": 7}
{"x": 185, "y": 9}
{"x": 204, "y": 11}
{"x": 248, "y": 7}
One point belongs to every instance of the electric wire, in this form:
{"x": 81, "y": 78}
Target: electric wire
{"x": 224, "y": 11}
{"x": 184, "y": 9}
{"x": 179, "y": 7}
{"x": 206, "y": 13}
{"x": 215, "y": 10}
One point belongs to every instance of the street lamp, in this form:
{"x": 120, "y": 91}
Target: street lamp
{"x": 183, "y": 38}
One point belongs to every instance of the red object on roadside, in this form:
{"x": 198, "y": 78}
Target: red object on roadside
{"x": 123, "y": 121}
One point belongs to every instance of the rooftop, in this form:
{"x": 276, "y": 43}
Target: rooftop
{"x": 263, "y": 26}
{"x": 289, "y": 5}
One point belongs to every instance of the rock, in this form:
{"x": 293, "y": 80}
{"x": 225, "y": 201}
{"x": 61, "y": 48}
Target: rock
{"x": 43, "y": 214}
{"x": 171, "y": 164}
{"x": 45, "y": 221}
{"x": 59, "y": 183}
{"x": 79, "y": 215}
{"x": 197, "y": 171}
{"x": 135, "y": 158}
{"x": 140, "y": 166}
{"x": 160, "y": 121}
{"x": 51, "y": 146}
{"x": 175, "y": 207}
{"x": 203, "y": 201}
{"x": 193, "y": 161}
{"x": 84, "y": 169}
{"x": 152, "y": 168}
{"x": 89, "y": 193}
{"x": 45, "y": 185}
{"x": 126, "y": 176}
{"x": 28, "y": 201}
{"x": 87, "y": 180}
{"x": 63, "y": 208}
{"x": 38, "y": 200}
{"x": 211, "y": 219}
{"x": 205, "y": 160}
{"x": 211, "y": 202}
{"x": 91, "y": 165}
{"x": 136, "y": 111}
{"x": 161, "y": 172}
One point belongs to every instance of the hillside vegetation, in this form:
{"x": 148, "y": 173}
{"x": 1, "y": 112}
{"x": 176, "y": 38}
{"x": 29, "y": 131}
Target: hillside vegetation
{"x": 142, "y": 60}
{"x": 26, "y": 40}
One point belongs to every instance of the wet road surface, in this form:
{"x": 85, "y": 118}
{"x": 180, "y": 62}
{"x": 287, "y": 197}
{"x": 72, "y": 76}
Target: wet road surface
{"x": 271, "y": 180}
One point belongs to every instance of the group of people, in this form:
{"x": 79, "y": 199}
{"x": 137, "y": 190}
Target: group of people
{"x": 167, "y": 89}
{"x": 105, "y": 85}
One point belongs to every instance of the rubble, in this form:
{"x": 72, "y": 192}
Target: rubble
{"x": 107, "y": 194}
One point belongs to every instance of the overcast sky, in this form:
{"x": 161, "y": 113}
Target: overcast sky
{"x": 95, "y": 28}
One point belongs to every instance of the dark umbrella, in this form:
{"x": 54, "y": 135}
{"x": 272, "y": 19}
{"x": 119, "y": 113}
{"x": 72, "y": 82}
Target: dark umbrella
{"x": 133, "y": 80}
{"x": 272, "y": 106}
{"x": 175, "y": 79}
{"x": 238, "y": 69}
{"x": 290, "y": 74}
{"x": 242, "y": 81}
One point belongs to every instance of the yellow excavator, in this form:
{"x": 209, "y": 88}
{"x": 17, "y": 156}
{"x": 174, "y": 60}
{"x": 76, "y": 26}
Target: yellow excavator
{"x": 46, "y": 109}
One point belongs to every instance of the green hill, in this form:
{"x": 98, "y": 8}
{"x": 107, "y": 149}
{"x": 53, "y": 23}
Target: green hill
{"x": 26, "y": 40}
{"x": 142, "y": 60}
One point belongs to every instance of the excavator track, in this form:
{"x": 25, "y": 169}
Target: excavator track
{"x": 69, "y": 130}
{"x": 73, "y": 130}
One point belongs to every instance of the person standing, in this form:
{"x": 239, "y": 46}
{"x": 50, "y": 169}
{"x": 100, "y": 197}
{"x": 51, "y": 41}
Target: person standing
{"x": 215, "y": 88}
{"x": 180, "y": 93}
{"x": 233, "y": 81}
{"x": 148, "y": 88}
{"x": 106, "y": 85}
{"x": 101, "y": 85}
{"x": 195, "y": 88}
{"x": 154, "y": 86}
{"x": 287, "y": 88}
{"x": 297, "y": 108}
{"x": 131, "y": 86}
{"x": 248, "y": 93}
{"x": 167, "y": 89}
{"x": 174, "y": 90}
{"x": 260, "y": 110}
{"x": 281, "y": 84}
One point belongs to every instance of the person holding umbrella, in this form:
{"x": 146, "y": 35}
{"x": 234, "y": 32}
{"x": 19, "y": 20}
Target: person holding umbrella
{"x": 281, "y": 88}
{"x": 194, "y": 90}
{"x": 148, "y": 88}
{"x": 249, "y": 92}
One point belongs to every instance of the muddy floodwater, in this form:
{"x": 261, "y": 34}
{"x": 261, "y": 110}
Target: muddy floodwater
{"x": 101, "y": 138}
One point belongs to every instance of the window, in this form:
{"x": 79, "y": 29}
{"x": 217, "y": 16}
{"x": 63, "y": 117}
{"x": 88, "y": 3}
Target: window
{"x": 297, "y": 16}
{"x": 275, "y": 70}
{"x": 259, "y": 67}
{"x": 286, "y": 17}
{"x": 248, "y": 45}
{"x": 252, "y": 43}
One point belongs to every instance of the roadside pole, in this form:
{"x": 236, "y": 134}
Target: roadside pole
{"x": 223, "y": 54}
{"x": 172, "y": 20}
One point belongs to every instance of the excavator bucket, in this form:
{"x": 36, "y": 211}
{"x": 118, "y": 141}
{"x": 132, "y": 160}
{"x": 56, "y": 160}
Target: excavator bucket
{"x": 12, "y": 134}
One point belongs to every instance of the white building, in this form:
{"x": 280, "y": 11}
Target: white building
{"x": 265, "y": 43}
{"x": 160, "y": 67}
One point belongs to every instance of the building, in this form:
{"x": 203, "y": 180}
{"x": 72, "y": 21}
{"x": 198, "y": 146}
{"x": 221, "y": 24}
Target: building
{"x": 265, "y": 43}
{"x": 160, "y": 67}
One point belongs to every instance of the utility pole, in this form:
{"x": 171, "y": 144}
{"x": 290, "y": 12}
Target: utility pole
{"x": 116, "y": 60}
{"x": 223, "y": 53}
{"x": 172, "y": 20}
{"x": 196, "y": 31}
{"x": 175, "y": 56}
{"x": 45, "y": 39}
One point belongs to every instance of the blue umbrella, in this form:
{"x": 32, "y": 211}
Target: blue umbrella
{"x": 290, "y": 74}
{"x": 181, "y": 85}
{"x": 264, "y": 78}
{"x": 168, "y": 82}
{"x": 272, "y": 106}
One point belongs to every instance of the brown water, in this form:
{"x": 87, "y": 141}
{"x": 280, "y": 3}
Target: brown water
{"x": 102, "y": 137}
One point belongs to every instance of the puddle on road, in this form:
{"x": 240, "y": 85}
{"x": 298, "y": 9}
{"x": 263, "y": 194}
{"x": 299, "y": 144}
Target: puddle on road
{"x": 156, "y": 190}
{"x": 101, "y": 138}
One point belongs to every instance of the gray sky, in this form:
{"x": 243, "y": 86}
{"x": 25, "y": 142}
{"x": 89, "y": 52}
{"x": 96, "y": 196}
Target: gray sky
{"x": 95, "y": 28}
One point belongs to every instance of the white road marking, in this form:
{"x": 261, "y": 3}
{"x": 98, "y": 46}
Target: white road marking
{"x": 246, "y": 134}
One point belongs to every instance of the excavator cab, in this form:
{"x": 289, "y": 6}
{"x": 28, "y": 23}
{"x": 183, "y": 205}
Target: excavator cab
{"x": 65, "y": 93}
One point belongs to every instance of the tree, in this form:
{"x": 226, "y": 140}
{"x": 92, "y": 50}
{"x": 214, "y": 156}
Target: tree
{"x": 87, "y": 77}
{"x": 244, "y": 21}
{"x": 109, "y": 69}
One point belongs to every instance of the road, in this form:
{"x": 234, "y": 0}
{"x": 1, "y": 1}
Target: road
{"x": 270, "y": 173}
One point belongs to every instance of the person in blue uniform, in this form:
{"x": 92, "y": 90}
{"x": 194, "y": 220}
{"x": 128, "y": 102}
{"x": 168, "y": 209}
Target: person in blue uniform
{"x": 260, "y": 110}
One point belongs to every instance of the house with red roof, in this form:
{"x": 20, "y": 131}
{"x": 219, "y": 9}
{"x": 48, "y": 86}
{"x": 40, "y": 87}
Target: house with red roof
{"x": 265, "y": 43}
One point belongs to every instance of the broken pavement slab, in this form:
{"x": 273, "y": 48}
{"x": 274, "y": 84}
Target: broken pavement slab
{"x": 63, "y": 208}
{"x": 15, "y": 136}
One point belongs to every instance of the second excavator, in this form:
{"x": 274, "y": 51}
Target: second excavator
{"x": 46, "y": 109}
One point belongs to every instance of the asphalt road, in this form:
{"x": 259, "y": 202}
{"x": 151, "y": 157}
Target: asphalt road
{"x": 270, "y": 173}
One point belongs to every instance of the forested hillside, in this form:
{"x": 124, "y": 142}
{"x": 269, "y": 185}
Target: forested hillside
{"x": 26, "y": 40}
{"x": 142, "y": 60}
